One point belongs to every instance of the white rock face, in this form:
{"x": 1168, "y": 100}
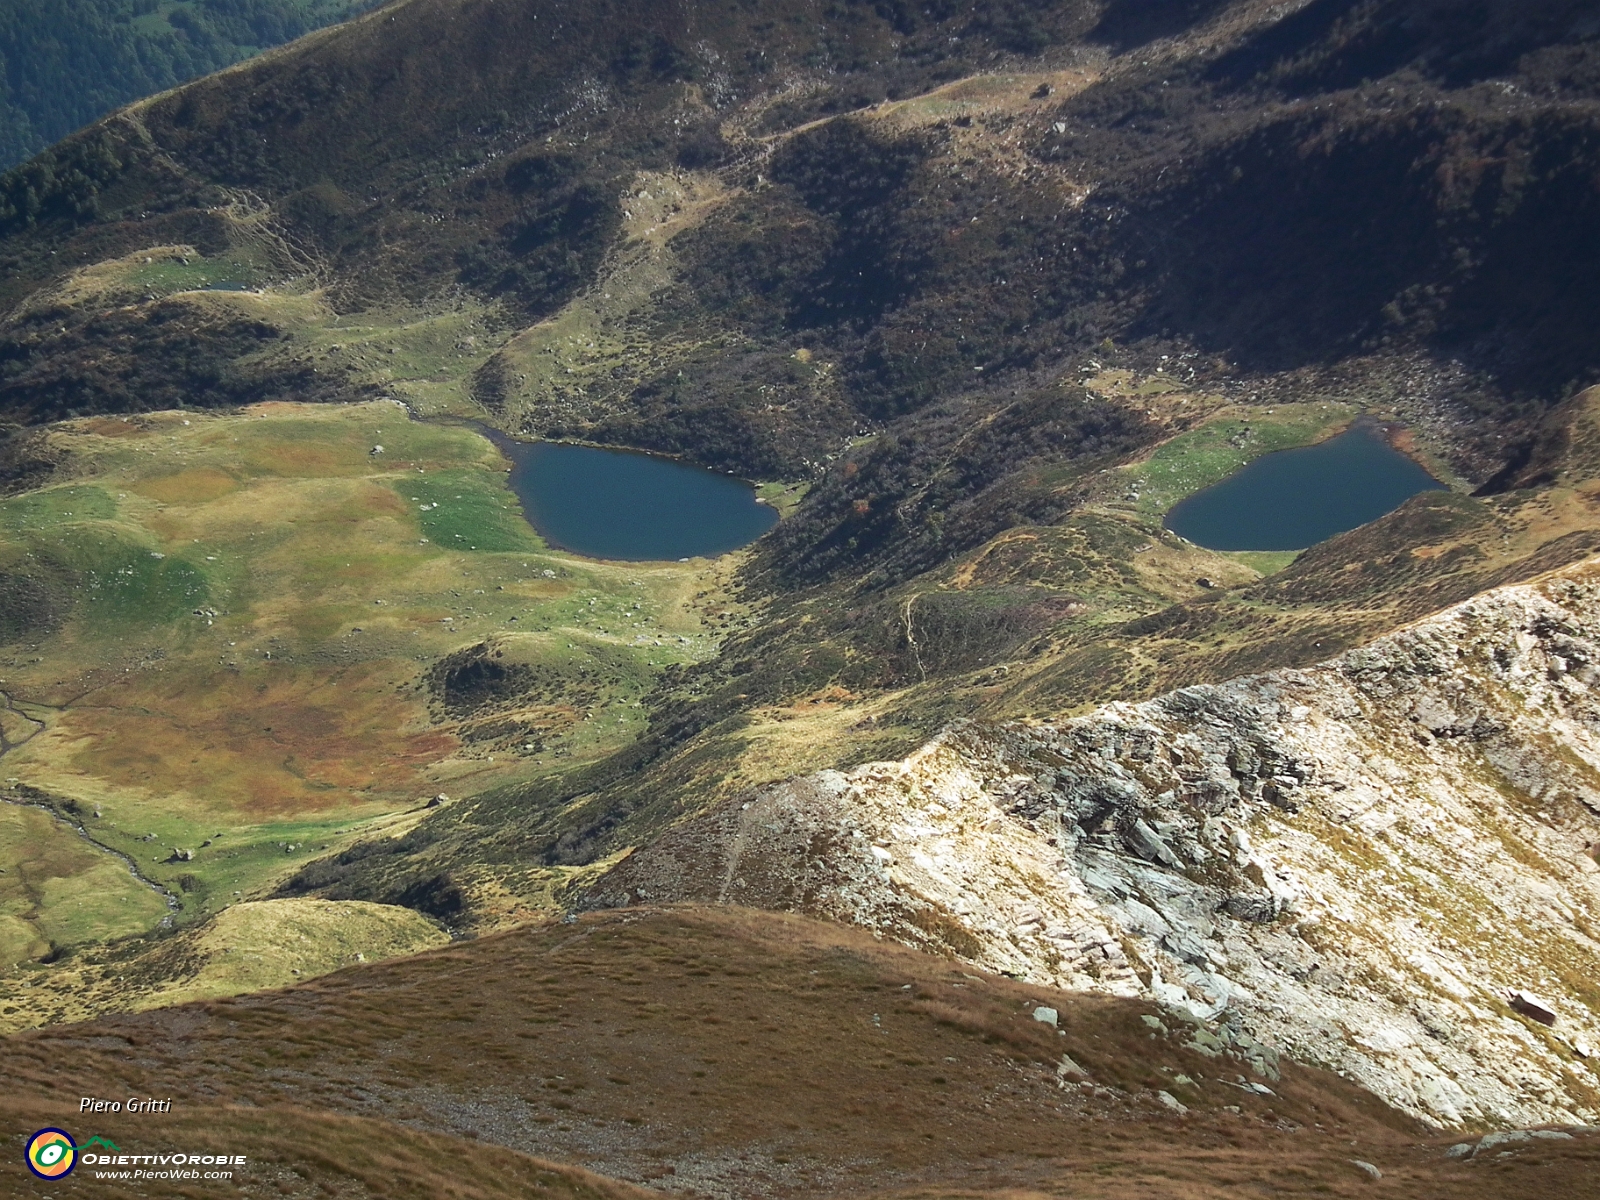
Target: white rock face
{"x": 1358, "y": 863}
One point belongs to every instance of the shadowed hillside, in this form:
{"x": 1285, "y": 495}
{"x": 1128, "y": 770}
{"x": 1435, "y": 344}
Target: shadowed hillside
{"x": 1269, "y": 197}
{"x": 68, "y": 63}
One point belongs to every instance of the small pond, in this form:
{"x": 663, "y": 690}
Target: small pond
{"x": 620, "y": 504}
{"x": 1291, "y": 499}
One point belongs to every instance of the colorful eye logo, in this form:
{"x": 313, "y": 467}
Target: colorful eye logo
{"x": 51, "y": 1154}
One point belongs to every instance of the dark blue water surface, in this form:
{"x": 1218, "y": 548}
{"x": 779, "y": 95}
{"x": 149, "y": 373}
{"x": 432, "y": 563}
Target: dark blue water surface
{"x": 618, "y": 504}
{"x": 1295, "y": 498}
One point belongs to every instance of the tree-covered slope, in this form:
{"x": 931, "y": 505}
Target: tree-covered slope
{"x": 65, "y": 63}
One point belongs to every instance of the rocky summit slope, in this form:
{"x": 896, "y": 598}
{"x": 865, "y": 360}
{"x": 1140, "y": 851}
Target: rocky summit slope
{"x": 1384, "y": 863}
{"x": 722, "y": 1053}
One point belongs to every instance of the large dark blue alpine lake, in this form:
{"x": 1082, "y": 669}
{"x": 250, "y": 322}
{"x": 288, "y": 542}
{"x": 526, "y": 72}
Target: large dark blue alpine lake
{"x": 1291, "y": 499}
{"x": 624, "y": 505}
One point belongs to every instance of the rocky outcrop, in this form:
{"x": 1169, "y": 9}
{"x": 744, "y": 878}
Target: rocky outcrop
{"x": 1362, "y": 864}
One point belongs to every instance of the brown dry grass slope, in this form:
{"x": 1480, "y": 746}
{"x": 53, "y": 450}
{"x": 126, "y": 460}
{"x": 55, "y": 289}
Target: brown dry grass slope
{"x": 724, "y": 1052}
{"x": 293, "y": 1152}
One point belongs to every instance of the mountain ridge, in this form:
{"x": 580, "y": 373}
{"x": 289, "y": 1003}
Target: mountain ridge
{"x": 64, "y": 68}
{"x": 730, "y": 1052}
{"x": 1361, "y": 860}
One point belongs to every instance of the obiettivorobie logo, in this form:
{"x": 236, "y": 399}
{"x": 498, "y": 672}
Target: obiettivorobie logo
{"x": 52, "y": 1154}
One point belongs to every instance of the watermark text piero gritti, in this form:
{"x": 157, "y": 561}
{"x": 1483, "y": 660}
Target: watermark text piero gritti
{"x": 133, "y": 1104}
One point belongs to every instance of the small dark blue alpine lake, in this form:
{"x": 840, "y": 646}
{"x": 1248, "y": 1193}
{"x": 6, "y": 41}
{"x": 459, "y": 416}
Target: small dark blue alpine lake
{"x": 625, "y": 505}
{"x": 1291, "y": 499}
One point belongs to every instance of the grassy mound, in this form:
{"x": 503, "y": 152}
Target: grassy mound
{"x": 246, "y": 947}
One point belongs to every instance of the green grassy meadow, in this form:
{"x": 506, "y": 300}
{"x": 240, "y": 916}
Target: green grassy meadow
{"x": 268, "y": 634}
{"x": 230, "y": 649}
{"x": 1210, "y": 453}
{"x": 57, "y": 889}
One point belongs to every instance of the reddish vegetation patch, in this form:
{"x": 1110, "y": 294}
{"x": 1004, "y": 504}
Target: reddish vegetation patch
{"x": 113, "y": 427}
{"x": 377, "y": 500}
{"x": 296, "y": 740}
{"x": 188, "y": 487}
{"x": 302, "y": 459}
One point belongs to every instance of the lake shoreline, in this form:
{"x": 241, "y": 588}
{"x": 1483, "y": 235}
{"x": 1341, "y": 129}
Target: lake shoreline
{"x": 1290, "y": 499}
{"x": 649, "y": 507}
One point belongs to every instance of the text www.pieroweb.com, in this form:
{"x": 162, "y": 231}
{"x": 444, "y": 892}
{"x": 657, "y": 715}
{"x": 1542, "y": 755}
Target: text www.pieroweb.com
{"x": 147, "y": 1167}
